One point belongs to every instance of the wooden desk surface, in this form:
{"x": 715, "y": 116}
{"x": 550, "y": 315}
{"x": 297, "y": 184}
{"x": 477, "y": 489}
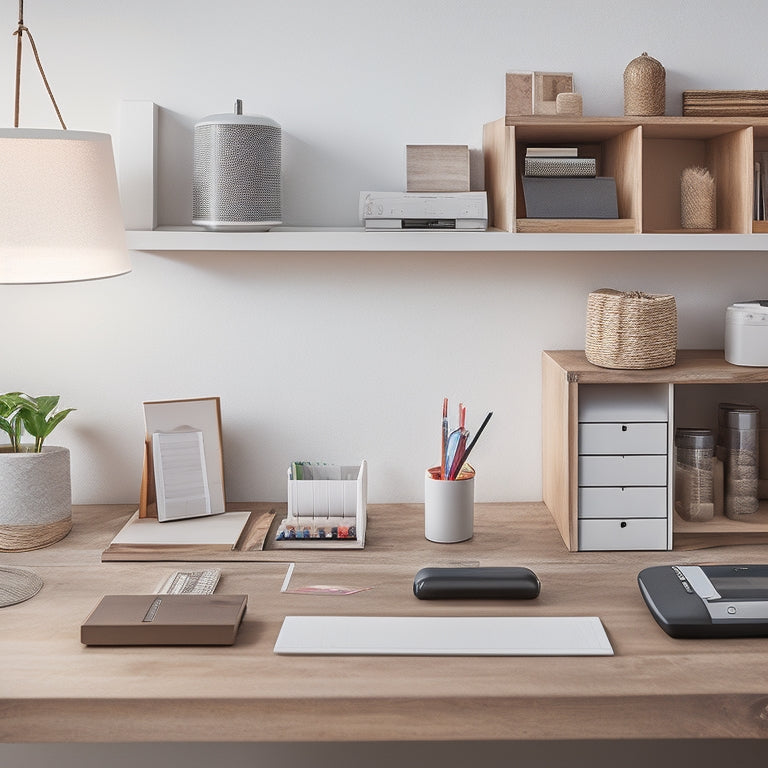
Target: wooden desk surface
{"x": 52, "y": 688}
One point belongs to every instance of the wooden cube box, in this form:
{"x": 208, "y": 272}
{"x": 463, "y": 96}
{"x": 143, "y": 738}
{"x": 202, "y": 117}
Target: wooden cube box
{"x": 437, "y": 168}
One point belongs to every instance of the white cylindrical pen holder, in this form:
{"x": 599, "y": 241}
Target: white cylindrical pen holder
{"x": 449, "y": 508}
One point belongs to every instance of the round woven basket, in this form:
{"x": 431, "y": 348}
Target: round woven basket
{"x": 644, "y": 87}
{"x": 631, "y": 329}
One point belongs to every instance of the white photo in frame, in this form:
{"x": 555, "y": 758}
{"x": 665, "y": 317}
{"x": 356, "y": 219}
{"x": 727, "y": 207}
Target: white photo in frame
{"x": 198, "y": 415}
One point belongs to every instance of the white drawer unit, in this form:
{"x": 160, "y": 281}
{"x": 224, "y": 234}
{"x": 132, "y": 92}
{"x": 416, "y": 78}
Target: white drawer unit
{"x": 623, "y": 468}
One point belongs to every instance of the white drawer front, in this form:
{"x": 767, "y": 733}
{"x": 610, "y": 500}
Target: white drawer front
{"x": 622, "y": 470}
{"x": 622, "y": 502}
{"x": 622, "y": 534}
{"x": 624, "y": 402}
{"x": 621, "y": 438}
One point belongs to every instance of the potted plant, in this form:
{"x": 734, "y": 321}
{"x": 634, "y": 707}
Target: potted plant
{"x": 35, "y": 484}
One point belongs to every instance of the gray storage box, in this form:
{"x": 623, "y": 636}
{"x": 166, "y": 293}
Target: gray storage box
{"x": 570, "y": 198}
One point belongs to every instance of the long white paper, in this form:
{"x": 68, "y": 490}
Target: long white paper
{"x": 444, "y": 636}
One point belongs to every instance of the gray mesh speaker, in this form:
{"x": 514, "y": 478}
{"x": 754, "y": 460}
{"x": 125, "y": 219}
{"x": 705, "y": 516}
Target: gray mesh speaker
{"x": 236, "y": 184}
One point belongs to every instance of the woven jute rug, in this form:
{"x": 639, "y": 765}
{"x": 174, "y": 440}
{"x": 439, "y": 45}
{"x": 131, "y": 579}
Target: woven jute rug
{"x": 18, "y": 585}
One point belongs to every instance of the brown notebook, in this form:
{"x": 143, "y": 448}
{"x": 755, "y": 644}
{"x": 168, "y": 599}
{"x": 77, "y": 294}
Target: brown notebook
{"x": 164, "y": 620}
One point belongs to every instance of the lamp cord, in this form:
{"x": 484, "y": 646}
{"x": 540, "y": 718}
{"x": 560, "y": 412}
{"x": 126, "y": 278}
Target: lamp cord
{"x": 21, "y": 29}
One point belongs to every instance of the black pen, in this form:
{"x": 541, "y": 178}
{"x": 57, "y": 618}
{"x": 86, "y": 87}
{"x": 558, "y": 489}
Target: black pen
{"x": 474, "y": 440}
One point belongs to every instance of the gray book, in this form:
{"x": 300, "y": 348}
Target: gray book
{"x": 560, "y": 166}
{"x": 570, "y": 198}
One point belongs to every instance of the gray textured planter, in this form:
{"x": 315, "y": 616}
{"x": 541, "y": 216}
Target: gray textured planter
{"x": 35, "y": 498}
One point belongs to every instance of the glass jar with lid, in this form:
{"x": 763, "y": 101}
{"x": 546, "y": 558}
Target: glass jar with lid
{"x": 694, "y": 474}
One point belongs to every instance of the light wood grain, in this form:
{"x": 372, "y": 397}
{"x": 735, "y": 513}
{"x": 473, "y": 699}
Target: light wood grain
{"x": 730, "y": 156}
{"x": 557, "y": 461}
{"x": 437, "y": 167}
{"x": 57, "y": 690}
{"x": 576, "y": 225}
{"x": 500, "y": 174}
{"x": 622, "y": 159}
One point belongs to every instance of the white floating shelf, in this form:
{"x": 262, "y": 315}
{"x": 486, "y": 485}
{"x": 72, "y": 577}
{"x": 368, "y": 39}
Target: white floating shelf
{"x": 301, "y": 239}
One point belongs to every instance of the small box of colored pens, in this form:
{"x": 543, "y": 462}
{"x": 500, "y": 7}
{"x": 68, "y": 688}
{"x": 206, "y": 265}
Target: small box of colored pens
{"x": 326, "y": 506}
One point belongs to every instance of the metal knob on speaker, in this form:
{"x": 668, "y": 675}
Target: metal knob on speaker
{"x": 236, "y": 183}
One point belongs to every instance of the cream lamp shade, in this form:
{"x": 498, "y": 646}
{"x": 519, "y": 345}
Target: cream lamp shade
{"x": 60, "y": 215}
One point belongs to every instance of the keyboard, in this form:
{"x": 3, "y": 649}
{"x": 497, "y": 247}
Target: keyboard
{"x": 201, "y": 582}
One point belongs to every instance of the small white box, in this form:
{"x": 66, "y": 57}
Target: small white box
{"x": 746, "y": 333}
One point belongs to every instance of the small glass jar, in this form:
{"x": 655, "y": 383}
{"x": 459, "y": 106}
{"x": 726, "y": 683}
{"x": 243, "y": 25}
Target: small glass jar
{"x": 739, "y": 427}
{"x": 694, "y": 472}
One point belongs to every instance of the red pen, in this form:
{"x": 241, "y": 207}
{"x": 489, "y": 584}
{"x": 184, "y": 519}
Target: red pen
{"x": 444, "y": 439}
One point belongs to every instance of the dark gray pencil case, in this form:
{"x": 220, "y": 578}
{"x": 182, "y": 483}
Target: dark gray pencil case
{"x": 499, "y": 583}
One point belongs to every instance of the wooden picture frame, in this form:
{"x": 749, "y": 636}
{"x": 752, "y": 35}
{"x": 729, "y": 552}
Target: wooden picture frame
{"x": 546, "y": 87}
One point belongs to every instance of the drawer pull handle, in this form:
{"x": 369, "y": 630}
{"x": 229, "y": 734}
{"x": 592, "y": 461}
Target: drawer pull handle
{"x": 623, "y": 427}
{"x": 623, "y": 524}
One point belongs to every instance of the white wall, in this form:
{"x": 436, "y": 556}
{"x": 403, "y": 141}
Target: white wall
{"x": 347, "y": 356}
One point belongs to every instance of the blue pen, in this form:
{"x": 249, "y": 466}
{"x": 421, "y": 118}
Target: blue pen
{"x": 457, "y": 442}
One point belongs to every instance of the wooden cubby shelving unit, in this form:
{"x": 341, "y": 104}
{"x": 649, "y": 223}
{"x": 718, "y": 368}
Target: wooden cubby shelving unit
{"x": 644, "y": 155}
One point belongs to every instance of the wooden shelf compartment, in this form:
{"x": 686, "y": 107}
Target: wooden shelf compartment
{"x": 699, "y": 380}
{"x": 726, "y": 150}
{"x": 616, "y": 146}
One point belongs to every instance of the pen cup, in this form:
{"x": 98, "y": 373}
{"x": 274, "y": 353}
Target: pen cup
{"x": 449, "y": 507}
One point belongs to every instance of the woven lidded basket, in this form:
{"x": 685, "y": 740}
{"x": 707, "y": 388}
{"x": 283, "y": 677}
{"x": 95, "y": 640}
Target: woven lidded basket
{"x": 631, "y": 329}
{"x": 644, "y": 86}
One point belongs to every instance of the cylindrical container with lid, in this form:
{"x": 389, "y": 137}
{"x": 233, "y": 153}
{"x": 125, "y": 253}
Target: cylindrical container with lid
{"x": 694, "y": 487}
{"x": 738, "y": 441}
{"x": 644, "y": 86}
{"x": 746, "y": 333}
{"x": 236, "y": 183}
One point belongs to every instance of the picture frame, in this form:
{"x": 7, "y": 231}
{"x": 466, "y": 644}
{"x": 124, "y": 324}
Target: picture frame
{"x": 195, "y": 414}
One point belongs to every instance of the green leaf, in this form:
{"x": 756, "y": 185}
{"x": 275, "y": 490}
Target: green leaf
{"x": 55, "y": 420}
{"x": 46, "y": 403}
{"x": 39, "y": 418}
{"x": 12, "y": 406}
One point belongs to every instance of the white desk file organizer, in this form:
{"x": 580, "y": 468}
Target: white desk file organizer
{"x": 326, "y": 513}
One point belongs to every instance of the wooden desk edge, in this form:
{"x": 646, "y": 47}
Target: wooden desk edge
{"x": 395, "y": 719}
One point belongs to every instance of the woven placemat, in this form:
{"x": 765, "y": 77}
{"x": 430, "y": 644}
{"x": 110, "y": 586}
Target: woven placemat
{"x": 18, "y": 585}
